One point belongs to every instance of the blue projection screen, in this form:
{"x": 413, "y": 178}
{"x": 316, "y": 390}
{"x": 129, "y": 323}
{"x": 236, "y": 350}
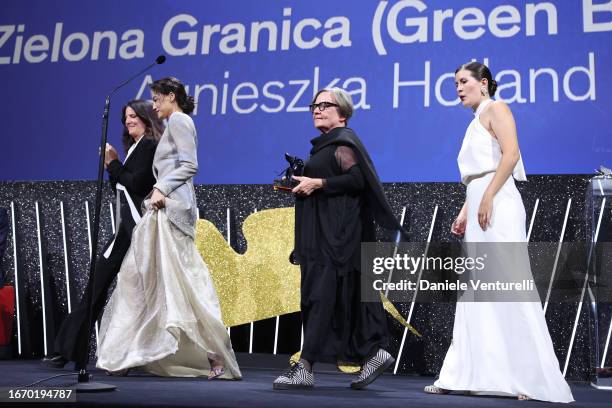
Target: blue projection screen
{"x": 253, "y": 67}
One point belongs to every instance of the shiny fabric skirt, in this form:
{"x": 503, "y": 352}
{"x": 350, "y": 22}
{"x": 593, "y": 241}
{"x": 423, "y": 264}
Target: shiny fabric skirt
{"x": 502, "y": 348}
{"x": 164, "y": 315}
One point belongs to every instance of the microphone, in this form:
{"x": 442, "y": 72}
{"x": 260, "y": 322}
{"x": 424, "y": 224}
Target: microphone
{"x": 81, "y": 363}
{"x": 158, "y": 61}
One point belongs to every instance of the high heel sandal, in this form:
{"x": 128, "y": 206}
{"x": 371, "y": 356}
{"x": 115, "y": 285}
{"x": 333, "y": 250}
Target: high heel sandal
{"x": 215, "y": 371}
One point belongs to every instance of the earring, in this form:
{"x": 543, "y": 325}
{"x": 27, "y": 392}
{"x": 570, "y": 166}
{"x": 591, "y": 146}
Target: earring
{"x": 483, "y": 91}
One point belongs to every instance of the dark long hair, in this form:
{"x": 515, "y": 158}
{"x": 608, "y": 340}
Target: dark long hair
{"x": 154, "y": 127}
{"x": 479, "y": 71}
{"x": 170, "y": 84}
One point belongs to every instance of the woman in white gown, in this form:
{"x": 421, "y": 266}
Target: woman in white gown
{"x": 498, "y": 348}
{"x": 164, "y": 315}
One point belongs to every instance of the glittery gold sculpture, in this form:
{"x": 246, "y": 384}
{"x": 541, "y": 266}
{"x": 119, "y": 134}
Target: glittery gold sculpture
{"x": 262, "y": 283}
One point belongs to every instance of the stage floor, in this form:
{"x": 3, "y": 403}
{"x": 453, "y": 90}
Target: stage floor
{"x": 255, "y": 390}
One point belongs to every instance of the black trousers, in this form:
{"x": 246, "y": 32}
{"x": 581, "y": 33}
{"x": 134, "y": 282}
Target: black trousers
{"x": 71, "y": 340}
{"x": 338, "y": 326}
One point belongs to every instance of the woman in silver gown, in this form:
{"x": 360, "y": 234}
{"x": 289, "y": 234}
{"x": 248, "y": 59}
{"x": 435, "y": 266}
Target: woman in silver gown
{"x": 164, "y": 315}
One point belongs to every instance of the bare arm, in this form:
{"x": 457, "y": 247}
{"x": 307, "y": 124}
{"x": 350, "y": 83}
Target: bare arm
{"x": 458, "y": 227}
{"x": 502, "y": 125}
{"x": 504, "y": 128}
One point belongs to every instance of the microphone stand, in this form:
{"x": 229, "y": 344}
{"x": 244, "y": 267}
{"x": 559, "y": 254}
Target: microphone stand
{"x": 84, "y": 384}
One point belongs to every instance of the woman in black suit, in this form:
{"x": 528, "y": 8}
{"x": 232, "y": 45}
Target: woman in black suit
{"x": 131, "y": 180}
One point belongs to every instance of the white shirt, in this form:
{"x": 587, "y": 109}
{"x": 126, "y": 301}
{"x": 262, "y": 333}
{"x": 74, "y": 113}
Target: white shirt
{"x": 132, "y": 147}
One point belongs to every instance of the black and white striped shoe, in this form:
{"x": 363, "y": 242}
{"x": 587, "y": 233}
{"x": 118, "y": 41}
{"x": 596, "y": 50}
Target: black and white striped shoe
{"x": 296, "y": 378}
{"x": 373, "y": 368}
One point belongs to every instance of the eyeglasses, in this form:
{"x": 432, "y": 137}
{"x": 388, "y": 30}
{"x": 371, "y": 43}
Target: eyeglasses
{"x": 321, "y": 106}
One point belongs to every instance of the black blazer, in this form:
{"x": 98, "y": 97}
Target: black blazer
{"x": 136, "y": 175}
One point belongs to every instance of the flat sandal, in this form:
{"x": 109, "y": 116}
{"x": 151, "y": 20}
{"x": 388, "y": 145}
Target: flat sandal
{"x": 432, "y": 389}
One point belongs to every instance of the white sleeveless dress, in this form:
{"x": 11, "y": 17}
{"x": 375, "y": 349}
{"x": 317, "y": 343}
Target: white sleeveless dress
{"x": 499, "y": 348}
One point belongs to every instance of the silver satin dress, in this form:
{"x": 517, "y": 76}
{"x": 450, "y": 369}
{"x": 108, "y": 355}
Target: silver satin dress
{"x": 164, "y": 315}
